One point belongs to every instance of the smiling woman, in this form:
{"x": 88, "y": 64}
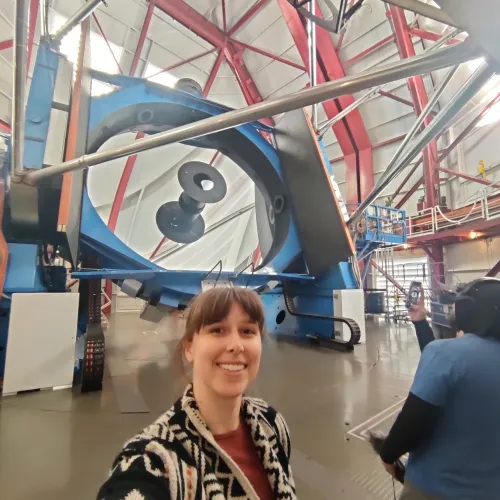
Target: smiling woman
{"x": 214, "y": 442}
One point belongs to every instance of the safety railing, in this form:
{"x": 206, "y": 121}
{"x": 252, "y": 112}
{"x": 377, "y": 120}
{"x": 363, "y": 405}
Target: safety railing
{"x": 437, "y": 219}
{"x": 380, "y": 223}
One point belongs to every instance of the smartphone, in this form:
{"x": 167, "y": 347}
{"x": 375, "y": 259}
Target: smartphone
{"x": 414, "y": 292}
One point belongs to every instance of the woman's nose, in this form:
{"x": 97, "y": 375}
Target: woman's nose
{"x": 234, "y": 343}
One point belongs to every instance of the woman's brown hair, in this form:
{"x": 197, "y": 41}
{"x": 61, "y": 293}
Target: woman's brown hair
{"x": 214, "y": 305}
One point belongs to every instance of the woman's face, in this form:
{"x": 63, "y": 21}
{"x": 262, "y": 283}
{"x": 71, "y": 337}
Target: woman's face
{"x": 226, "y": 355}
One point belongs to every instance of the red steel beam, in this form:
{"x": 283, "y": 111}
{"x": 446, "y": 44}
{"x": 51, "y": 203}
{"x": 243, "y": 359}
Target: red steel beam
{"x": 382, "y": 144}
{"x": 142, "y": 37}
{"x": 271, "y": 56}
{"x": 5, "y": 127}
{"x": 193, "y": 20}
{"x": 215, "y": 156}
{"x": 407, "y": 178}
{"x": 213, "y": 73}
{"x": 388, "y": 276}
{"x": 6, "y": 44}
{"x": 410, "y": 193}
{"x": 429, "y": 35}
{"x": 358, "y": 150}
{"x": 368, "y": 51}
{"x": 350, "y": 132}
{"x": 247, "y": 16}
{"x": 34, "y": 8}
{"x": 471, "y": 178}
{"x": 460, "y": 231}
{"x": 74, "y": 118}
{"x": 420, "y": 99}
{"x": 122, "y": 188}
{"x": 185, "y": 61}
{"x": 494, "y": 270}
{"x": 394, "y": 97}
{"x": 99, "y": 27}
{"x": 158, "y": 248}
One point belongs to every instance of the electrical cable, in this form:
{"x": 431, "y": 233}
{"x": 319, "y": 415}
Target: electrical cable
{"x": 211, "y": 270}
{"x": 457, "y": 221}
{"x": 252, "y": 265}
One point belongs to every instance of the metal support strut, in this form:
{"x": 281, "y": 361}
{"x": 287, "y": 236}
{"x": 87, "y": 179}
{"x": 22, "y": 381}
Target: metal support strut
{"x": 80, "y": 15}
{"x": 420, "y": 64}
{"x": 440, "y": 122}
{"x": 19, "y": 91}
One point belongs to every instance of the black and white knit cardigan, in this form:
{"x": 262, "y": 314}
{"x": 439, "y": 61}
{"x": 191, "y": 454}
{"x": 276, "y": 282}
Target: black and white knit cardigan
{"x": 177, "y": 458}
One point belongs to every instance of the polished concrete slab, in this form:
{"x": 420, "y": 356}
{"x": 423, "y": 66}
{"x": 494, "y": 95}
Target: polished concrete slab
{"x": 60, "y": 444}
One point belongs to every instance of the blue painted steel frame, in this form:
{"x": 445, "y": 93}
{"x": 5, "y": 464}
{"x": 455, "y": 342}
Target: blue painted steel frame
{"x": 115, "y": 256}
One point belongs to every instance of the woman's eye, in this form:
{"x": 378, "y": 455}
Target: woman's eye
{"x": 249, "y": 331}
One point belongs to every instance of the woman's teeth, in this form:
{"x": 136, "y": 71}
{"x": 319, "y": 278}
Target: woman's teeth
{"x": 232, "y": 368}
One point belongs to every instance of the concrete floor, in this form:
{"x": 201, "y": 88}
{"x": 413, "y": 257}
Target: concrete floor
{"x": 60, "y": 444}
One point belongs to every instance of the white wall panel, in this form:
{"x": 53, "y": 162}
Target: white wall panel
{"x": 470, "y": 260}
{"x": 275, "y": 77}
{"x": 259, "y": 23}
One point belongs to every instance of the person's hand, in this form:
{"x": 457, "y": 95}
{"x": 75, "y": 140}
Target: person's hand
{"x": 417, "y": 312}
{"x": 391, "y": 469}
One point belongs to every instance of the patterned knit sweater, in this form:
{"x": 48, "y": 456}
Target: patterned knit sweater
{"x": 178, "y": 458}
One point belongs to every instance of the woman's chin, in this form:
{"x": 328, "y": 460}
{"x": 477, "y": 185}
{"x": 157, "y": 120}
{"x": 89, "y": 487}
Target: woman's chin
{"x": 230, "y": 389}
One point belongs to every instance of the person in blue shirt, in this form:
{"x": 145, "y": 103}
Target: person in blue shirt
{"x": 449, "y": 424}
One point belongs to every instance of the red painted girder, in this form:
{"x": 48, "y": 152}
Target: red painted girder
{"x": 431, "y": 36}
{"x": 5, "y": 127}
{"x": 407, "y": 178}
{"x": 388, "y": 276}
{"x": 330, "y": 68}
{"x": 158, "y": 248}
{"x": 193, "y": 20}
{"x": 382, "y": 144}
{"x": 214, "y": 157}
{"x": 494, "y": 270}
{"x": 99, "y": 27}
{"x": 268, "y": 54}
{"x": 471, "y": 178}
{"x": 420, "y": 100}
{"x": 247, "y": 16}
{"x": 244, "y": 78}
{"x": 396, "y": 98}
{"x": 368, "y": 51}
{"x": 460, "y": 231}
{"x": 122, "y": 188}
{"x": 410, "y": 193}
{"x": 213, "y": 73}
{"x": 34, "y": 7}
{"x": 185, "y": 61}
{"x": 142, "y": 37}
{"x": 6, "y": 44}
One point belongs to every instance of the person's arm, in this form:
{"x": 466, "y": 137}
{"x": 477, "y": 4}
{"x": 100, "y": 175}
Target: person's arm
{"x": 422, "y": 410}
{"x": 140, "y": 472}
{"x": 413, "y": 426}
{"x": 424, "y": 333}
{"x": 418, "y": 315}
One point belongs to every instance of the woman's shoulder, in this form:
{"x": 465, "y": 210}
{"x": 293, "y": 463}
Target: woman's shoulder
{"x": 274, "y": 418}
{"x": 261, "y": 406}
